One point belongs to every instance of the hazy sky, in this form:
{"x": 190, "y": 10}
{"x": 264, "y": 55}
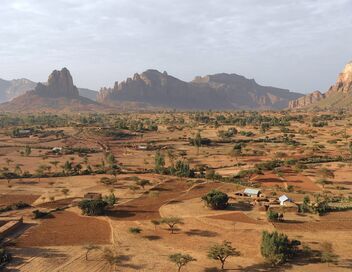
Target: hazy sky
{"x": 296, "y": 44}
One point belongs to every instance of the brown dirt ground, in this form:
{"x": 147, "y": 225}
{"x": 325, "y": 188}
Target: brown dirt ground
{"x": 11, "y": 199}
{"x": 66, "y": 228}
{"x": 236, "y": 217}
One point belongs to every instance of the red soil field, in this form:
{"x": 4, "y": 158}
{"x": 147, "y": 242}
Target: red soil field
{"x": 66, "y": 228}
{"x": 236, "y": 217}
{"x": 11, "y": 199}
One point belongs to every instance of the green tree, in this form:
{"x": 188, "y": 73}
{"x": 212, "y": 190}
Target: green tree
{"x": 221, "y": 252}
{"x": 27, "y": 150}
{"x": 327, "y": 253}
{"x": 216, "y": 200}
{"x": 92, "y": 207}
{"x": 276, "y": 248}
{"x": 159, "y": 162}
{"x": 181, "y": 260}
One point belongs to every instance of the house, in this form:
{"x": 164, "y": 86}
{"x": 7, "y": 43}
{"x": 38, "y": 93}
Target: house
{"x": 252, "y": 192}
{"x": 57, "y": 149}
{"x": 283, "y": 199}
{"x": 92, "y": 196}
{"x": 142, "y": 147}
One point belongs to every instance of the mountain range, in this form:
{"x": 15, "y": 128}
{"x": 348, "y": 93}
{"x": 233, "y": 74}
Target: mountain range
{"x": 338, "y": 96}
{"x": 219, "y": 91}
{"x": 155, "y": 90}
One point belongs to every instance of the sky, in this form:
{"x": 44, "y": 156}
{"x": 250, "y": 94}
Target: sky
{"x": 300, "y": 45}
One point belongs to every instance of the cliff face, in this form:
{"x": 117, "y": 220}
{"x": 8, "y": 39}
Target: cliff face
{"x": 220, "y": 91}
{"x": 306, "y": 100}
{"x": 338, "y": 95}
{"x": 60, "y": 84}
{"x": 59, "y": 94}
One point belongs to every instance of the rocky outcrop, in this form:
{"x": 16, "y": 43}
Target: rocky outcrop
{"x": 60, "y": 84}
{"x": 220, "y": 91}
{"x": 339, "y": 95}
{"x": 344, "y": 81}
{"x": 59, "y": 94}
{"x": 306, "y": 100}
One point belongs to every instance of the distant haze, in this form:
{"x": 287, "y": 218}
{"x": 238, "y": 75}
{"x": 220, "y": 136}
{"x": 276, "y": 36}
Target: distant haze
{"x": 301, "y": 44}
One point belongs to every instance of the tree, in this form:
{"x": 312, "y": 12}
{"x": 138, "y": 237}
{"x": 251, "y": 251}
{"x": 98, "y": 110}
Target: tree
{"x": 305, "y": 207}
{"x": 90, "y": 248}
{"x": 111, "y": 160}
{"x": 143, "y": 182}
{"x": 111, "y": 258}
{"x": 326, "y": 173}
{"x": 67, "y": 167}
{"x": 27, "y": 150}
{"x": 181, "y": 260}
{"x": 18, "y": 170}
{"x": 65, "y": 191}
{"x": 155, "y": 223}
{"x": 92, "y": 207}
{"x": 327, "y": 253}
{"x": 216, "y": 200}
{"x": 159, "y": 162}
{"x": 171, "y": 221}
{"x": 221, "y": 252}
{"x": 276, "y": 248}
{"x": 198, "y": 141}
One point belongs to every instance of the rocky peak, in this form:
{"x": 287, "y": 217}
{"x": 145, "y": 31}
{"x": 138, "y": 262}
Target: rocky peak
{"x": 344, "y": 81}
{"x": 60, "y": 84}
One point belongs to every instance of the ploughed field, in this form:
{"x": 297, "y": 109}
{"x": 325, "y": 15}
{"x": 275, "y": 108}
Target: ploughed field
{"x": 295, "y": 154}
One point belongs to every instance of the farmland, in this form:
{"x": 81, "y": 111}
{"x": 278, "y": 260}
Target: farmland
{"x": 160, "y": 165}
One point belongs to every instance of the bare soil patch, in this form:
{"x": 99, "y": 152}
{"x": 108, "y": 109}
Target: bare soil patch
{"x": 60, "y": 203}
{"x": 236, "y": 217}
{"x": 11, "y": 199}
{"x": 66, "y": 228}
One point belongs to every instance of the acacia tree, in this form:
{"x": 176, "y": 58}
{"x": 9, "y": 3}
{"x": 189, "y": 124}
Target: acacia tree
{"x": 221, "y": 252}
{"x": 89, "y": 248}
{"x": 181, "y": 260}
{"x": 171, "y": 221}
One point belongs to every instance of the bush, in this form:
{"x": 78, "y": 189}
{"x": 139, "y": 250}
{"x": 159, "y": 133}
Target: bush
{"x": 5, "y": 257}
{"x": 40, "y": 214}
{"x": 135, "y": 230}
{"x": 216, "y": 200}
{"x": 276, "y": 248}
{"x": 93, "y": 207}
{"x": 273, "y": 216}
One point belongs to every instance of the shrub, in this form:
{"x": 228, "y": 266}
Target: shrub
{"x": 39, "y": 214}
{"x": 135, "y": 230}
{"x": 216, "y": 200}
{"x": 5, "y": 257}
